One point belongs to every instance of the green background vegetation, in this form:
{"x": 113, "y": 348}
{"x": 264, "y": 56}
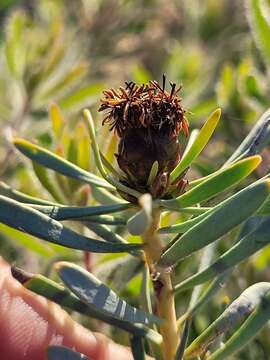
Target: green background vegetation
{"x": 56, "y": 57}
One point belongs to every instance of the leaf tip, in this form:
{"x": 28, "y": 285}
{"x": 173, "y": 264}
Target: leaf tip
{"x": 257, "y": 159}
{"x": 267, "y": 183}
{"x": 20, "y": 275}
{"x": 216, "y": 114}
{"x": 87, "y": 114}
{"x": 59, "y": 265}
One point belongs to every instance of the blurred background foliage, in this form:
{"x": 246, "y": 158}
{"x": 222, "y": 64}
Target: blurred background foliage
{"x": 56, "y": 56}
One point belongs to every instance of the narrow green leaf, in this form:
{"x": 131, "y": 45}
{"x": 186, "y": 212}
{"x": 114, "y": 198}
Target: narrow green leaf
{"x": 91, "y": 291}
{"x": 226, "y": 87}
{"x": 256, "y": 321}
{"x": 106, "y": 220}
{"x": 109, "y": 166}
{"x": 77, "y": 212}
{"x": 239, "y": 207}
{"x": 260, "y": 27}
{"x": 137, "y": 347}
{"x": 26, "y": 219}
{"x": 194, "y": 210}
{"x": 192, "y": 137}
{"x": 238, "y": 310}
{"x": 55, "y": 162}
{"x": 83, "y": 145}
{"x": 216, "y": 285}
{"x": 140, "y": 222}
{"x": 71, "y": 77}
{"x": 27, "y": 241}
{"x": 265, "y": 208}
{"x": 55, "y": 52}
{"x": 21, "y": 197}
{"x": 198, "y": 144}
{"x": 95, "y": 147}
{"x": 56, "y": 352}
{"x": 62, "y": 296}
{"x": 47, "y": 182}
{"x": 103, "y": 196}
{"x": 251, "y": 140}
{"x": 153, "y": 173}
{"x": 57, "y": 120}
{"x": 15, "y": 45}
{"x": 220, "y": 181}
{"x": 247, "y": 246}
{"x": 105, "y": 233}
{"x": 186, "y": 225}
{"x": 85, "y": 96}
{"x": 118, "y": 272}
{"x": 183, "y": 342}
{"x": 226, "y": 166}
{"x": 197, "y": 300}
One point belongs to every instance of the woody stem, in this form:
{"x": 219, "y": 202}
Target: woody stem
{"x": 162, "y": 285}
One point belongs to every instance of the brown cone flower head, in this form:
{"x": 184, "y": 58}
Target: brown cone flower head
{"x": 147, "y": 119}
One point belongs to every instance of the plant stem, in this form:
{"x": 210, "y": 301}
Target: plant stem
{"x": 163, "y": 288}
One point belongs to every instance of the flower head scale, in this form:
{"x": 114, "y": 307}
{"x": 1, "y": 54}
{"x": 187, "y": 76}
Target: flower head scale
{"x": 148, "y": 106}
{"x": 147, "y": 119}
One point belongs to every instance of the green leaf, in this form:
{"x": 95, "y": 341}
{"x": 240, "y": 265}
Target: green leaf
{"x": 85, "y": 214}
{"x": 192, "y": 137}
{"x": 57, "y": 119}
{"x": 118, "y": 272}
{"x": 239, "y": 207}
{"x": 55, "y": 162}
{"x": 92, "y": 133}
{"x": 184, "y": 226}
{"x": 137, "y": 347}
{"x": 21, "y": 197}
{"x": 56, "y": 352}
{"x": 141, "y": 221}
{"x": 47, "y": 182}
{"x": 217, "y": 284}
{"x": 153, "y": 173}
{"x": 265, "y": 208}
{"x": 106, "y": 220}
{"x": 103, "y": 196}
{"x": 109, "y": 166}
{"x": 198, "y": 144}
{"x": 27, "y": 241}
{"x": 85, "y": 96}
{"x": 91, "y": 291}
{"x": 105, "y": 233}
{"x": 26, "y": 219}
{"x": 259, "y": 22}
{"x": 79, "y": 212}
{"x": 253, "y": 139}
{"x": 62, "y": 296}
{"x": 247, "y": 246}
{"x": 183, "y": 342}
{"x": 238, "y": 310}
{"x": 226, "y": 86}
{"x": 221, "y": 170}
{"x": 84, "y": 146}
{"x": 15, "y": 45}
{"x": 216, "y": 183}
{"x": 247, "y": 331}
{"x": 71, "y": 77}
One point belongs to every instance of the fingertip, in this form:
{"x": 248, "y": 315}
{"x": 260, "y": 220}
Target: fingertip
{"x": 29, "y": 323}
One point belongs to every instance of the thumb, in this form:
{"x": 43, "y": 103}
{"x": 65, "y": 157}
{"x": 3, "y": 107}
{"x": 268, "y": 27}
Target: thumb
{"x": 29, "y": 323}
